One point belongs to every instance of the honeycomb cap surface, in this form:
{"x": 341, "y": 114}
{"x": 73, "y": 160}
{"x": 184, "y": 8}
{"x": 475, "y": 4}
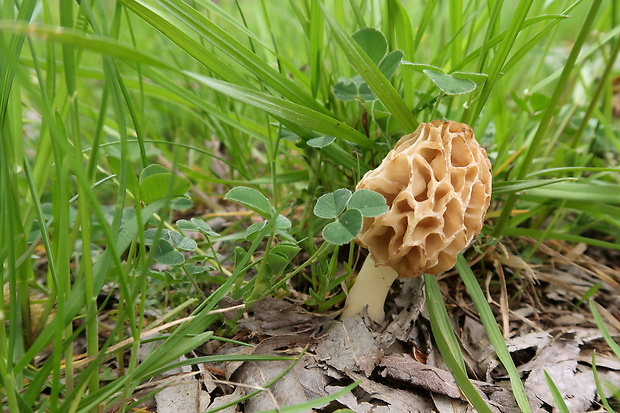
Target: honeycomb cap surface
{"x": 437, "y": 183}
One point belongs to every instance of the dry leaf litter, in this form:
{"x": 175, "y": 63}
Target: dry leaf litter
{"x": 399, "y": 367}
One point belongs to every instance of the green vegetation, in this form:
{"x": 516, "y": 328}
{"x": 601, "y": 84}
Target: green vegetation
{"x": 127, "y": 126}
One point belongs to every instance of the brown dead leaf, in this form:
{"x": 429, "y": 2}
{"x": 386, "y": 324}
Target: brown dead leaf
{"x": 182, "y": 391}
{"x": 233, "y": 366}
{"x": 349, "y": 346}
{"x": 535, "y": 340}
{"x": 602, "y": 360}
{"x": 409, "y": 303}
{"x": 558, "y": 356}
{"x": 397, "y": 400}
{"x": 304, "y": 382}
{"x": 373, "y": 397}
{"x": 225, "y": 399}
{"x": 351, "y": 401}
{"x": 440, "y": 382}
{"x": 406, "y": 369}
{"x": 299, "y": 385}
{"x": 445, "y": 404}
{"x": 274, "y": 317}
{"x": 478, "y": 352}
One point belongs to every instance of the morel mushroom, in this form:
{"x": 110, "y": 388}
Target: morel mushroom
{"x": 437, "y": 183}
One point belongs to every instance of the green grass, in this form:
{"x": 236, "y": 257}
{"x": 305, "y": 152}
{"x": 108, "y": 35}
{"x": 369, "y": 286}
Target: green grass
{"x": 235, "y": 94}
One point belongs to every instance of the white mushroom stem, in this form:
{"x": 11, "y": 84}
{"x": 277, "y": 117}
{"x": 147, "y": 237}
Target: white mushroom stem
{"x": 370, "y": 289}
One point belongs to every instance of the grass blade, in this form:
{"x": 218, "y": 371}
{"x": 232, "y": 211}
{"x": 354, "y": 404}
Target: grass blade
{"x": 289, "y": 111}
{"x": 538, "y": 233}
{"x": 230, "y": 46}
{"x": 557, "y": 396}
{"x": 186, "y": 43}
{"x": 448, "y": 344}
{"x": 599, "y": 387}
{"x": 548, "y": 114}
{"x": 382, "y": 88}
{"x": 493, "y": 332}
{"x": 78, "y": 39}
{"x": 603, "y": 329}
{"x": 316, "y": 402}
{"x": 500, "y": 58}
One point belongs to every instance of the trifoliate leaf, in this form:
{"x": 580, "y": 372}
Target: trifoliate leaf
{"x": 369, "y": 203}
{"x": 280, "y": 256}
{"x": 321, "y": 141}
{"x": 344, "y": 229}
{"x": 351, "y": 89}
{"x": 162, "y": 185}
{"x": 186, "y": 225}
{"x": 346, "y": 90}
{"x": 421, "y": 67}
{"x": 153, "y": 169}
{"x": 204, "y": 228}
{"x": 473, "y": 76}
{"x": 282, "y": 223}
{"x": 372, "y": 42}
{"x": 538, "y": 101}
{"x": 183, "y": 243}
{"x": 331, "y": 205}
{"x": 288, "y": 249}
{"x": 390, "y": 63}
{"x": 252, "y": 231}
{"x": 181, "y": 204}
{"x": 166, "y": 254}
{"x": 197, "y": 269}
{"x": 449, "y": 84}
{"x": 250, "y": 198}
{"x": 149, "y": 235}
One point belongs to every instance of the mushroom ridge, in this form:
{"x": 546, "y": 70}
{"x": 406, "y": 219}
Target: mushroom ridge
{"x": 437, "y": 183}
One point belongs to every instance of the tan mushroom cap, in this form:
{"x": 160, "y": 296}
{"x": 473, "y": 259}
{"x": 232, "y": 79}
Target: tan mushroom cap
{"x": 437, "y": 183}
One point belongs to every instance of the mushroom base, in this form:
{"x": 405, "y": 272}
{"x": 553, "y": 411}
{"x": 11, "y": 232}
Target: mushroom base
{"x": 370, "y": 289}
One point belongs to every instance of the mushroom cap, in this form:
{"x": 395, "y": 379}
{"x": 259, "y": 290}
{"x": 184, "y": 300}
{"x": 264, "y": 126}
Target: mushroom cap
{"x": 437, "y": 183}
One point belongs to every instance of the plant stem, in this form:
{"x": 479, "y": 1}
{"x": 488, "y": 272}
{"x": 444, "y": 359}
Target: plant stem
{"x": 370, "y": 290}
